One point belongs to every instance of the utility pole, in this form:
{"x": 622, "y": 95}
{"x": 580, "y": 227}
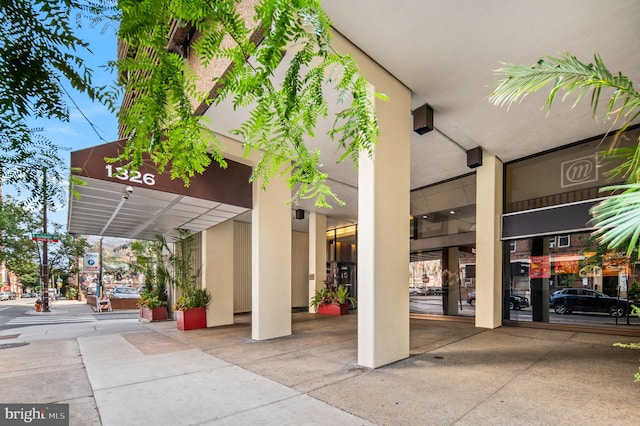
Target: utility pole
{"x": 45, "y": 248}
{"x": 100, "y": 286}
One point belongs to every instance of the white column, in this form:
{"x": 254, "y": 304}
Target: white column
{"x": 489, "y": 195}
{"x": 317, "y": 253}
{"x": 217, "y": 272}
{"x": 271, "y": 260}
{"x": 383, "y": 238}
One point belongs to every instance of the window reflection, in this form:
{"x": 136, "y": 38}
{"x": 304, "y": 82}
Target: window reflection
{"x": 444, "y": 209}
{"x": 582, "y": 282}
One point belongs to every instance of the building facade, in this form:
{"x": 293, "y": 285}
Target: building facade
{"x": 512, "y": 221}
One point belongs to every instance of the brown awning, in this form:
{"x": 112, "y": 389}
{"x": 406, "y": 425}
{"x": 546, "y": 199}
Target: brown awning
{"x": 141, "y": 204}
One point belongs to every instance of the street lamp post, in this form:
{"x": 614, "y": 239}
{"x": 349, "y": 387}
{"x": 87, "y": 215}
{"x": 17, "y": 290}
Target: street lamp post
{"x": 45, "y": 248}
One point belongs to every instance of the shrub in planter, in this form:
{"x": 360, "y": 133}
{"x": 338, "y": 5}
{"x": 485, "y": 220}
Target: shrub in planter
{"x": 191, "y": 309}
{"x": 153, "y": 303}
{"x": 332, "y": 301}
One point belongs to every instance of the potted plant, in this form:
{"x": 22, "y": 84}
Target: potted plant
{"x": 153, "y": 300}
{"x": 191, "y": 309}
{"x": 333, "y": 300}
{"x": 191, "y": 306}
{"x": 153, "y": 303}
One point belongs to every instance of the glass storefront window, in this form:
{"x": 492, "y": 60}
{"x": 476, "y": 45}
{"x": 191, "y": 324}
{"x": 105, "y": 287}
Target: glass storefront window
{"x": 556, "y": 269}
{"x": 435, "y": 289}
{"x": 341, "y": 244}
{"x": 444, "y": 209}
{"x": 574, "y": 281}
{"x": 573, "y": 174}
{"x": 441, "y": 271}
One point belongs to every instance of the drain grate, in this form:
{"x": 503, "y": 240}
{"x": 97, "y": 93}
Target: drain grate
{"x": 12, "y": 345}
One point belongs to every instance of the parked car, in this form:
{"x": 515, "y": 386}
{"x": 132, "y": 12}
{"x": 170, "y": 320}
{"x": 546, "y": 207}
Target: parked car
{"x": 471, "y": 298}
{"x": 417, "y": 291}
{"x": 569, "y": 300}
{"x": 4, "y": 295}
{"x": 122, "y": 292}
{"x": 515, "y": 302}
{"x": 518, "y": 302}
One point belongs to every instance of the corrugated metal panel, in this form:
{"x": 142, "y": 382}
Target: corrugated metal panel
{"x": 299, "y": 269}
{"x": 196, "y": 256}
{"x": 242, "y": 267}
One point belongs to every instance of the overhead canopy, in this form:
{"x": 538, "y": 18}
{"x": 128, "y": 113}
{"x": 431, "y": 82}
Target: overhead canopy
{"x": 142, "y": 204}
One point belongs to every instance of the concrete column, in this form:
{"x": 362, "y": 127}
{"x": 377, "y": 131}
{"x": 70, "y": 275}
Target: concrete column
{"x": 271, "y": 260}
{"x": 489, "y": 196}
{"x": 383, "y": 243}
{"x": 317, "y": 253}
{"x": 217, "y": 272}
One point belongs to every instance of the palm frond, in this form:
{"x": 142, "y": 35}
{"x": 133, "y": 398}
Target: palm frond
{"x": 617, "y": 218}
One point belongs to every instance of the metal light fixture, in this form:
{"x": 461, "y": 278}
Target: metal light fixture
{"x": 299, "y": 214}
{"x": 423, "y": 119}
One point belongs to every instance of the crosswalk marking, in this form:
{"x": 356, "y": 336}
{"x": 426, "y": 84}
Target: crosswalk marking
{"x": 53, "y": 319}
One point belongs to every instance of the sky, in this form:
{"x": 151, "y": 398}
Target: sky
{"x": 78, "y": 133}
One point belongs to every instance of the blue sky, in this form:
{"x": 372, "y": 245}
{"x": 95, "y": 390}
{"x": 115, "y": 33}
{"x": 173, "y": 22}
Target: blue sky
{"x": 78, "y": 133}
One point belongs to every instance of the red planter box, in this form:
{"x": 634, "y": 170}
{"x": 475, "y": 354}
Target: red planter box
{"x": 154, "y": 314}
{"x": 192, "y": 318}
{"x": 334, "y": 309}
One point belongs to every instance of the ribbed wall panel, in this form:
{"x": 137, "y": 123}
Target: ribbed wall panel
{"x": 242, "y": 267}
{"x": 299, "y": 269}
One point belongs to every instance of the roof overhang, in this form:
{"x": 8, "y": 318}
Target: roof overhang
{"x": 141, "y": 204}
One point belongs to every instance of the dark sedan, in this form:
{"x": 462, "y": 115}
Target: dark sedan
{"x": 515, "y": 302}
{"x": 569, "y": 300}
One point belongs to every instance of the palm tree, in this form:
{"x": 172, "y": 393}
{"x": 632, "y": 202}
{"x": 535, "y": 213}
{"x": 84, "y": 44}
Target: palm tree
{"x": 617, "y": 219}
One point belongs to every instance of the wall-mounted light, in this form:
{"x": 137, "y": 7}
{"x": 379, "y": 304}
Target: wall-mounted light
{"x": 423, "y": 119}
{"x": 299, "y": 214}
{"x": 474, "y": 157}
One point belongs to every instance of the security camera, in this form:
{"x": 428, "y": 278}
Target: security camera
{"x": 127, "y": 191}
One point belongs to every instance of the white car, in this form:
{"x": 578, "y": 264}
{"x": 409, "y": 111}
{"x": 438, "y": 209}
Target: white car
{"x": 5, "y": 295}
{"x": 122, "y": 292}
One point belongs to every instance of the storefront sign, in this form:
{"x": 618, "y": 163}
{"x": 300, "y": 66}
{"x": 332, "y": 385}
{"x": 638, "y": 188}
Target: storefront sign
{"x": 565, "y": 265}
{"x": 229, "y": 186}
{"x": 91, "y": 262}
{"x": 579, "y": 171}
{"x": 540, "y": 267}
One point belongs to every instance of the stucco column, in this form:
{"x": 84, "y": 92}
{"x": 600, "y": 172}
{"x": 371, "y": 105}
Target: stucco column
{"x": 489, "y": 196}
{"x": 217, "y": 272}
{"x": 383, "y": 243}
{"x": 317, "y": 253}
{"x": 271, "y": 260}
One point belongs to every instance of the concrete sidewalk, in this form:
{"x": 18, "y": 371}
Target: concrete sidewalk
{"x": 122, "y": 372}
